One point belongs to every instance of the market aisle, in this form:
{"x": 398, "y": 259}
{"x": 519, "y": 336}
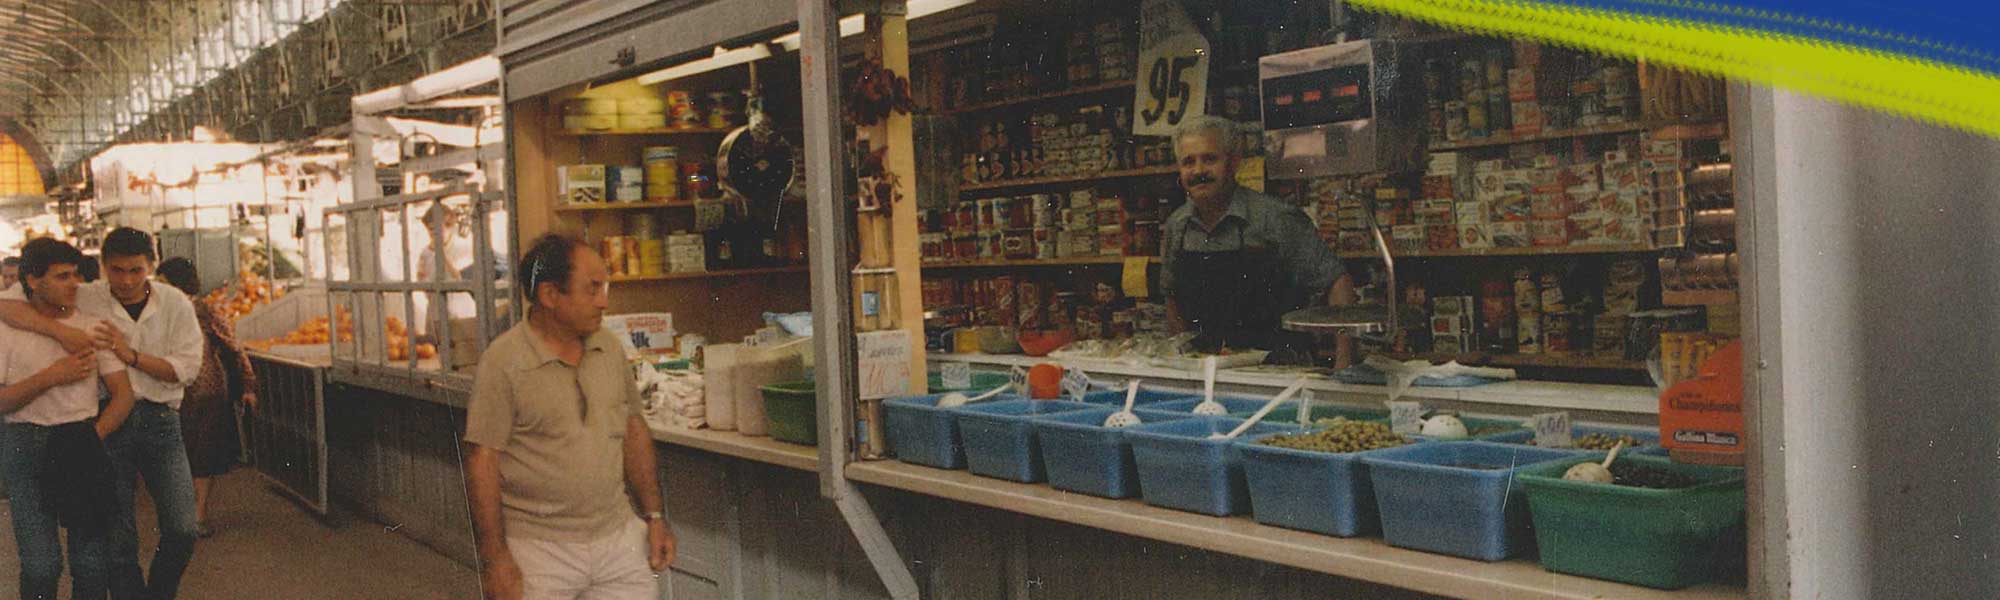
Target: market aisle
{"x": 265, "y": 546}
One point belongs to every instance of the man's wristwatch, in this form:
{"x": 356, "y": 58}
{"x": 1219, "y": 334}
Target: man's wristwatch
{"x": 135, "y": 359}
{"x": 656, "y": 516}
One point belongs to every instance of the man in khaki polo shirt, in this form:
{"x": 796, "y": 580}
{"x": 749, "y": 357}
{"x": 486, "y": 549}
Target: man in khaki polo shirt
{"x": 557, "y": 449}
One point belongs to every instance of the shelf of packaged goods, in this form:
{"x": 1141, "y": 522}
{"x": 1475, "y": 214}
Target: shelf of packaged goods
{"x": 708, "y": 274}
{"x": 1075, "y": 91}
{"x": 1367, "y": 559}
{"x": 1035, "y": 262}
{"x": 1624, "y": 400}
{"x": 653, "y": 131}
{"x": 1091, "y": 177}
{"x": 1541, "y": 361}
{"x": 1505, "y": 139}
{"x": 1692, "y": 131}
{"x": 729, "y": 443}
{"x": 1527, "y": 251}
{"x": 617, "y": 206}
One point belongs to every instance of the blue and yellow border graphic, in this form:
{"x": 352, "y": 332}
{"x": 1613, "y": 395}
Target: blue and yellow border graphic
{"x": 1925, "y": 59}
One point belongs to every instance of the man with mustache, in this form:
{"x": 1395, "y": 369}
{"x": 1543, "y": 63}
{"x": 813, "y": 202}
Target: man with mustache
{"x": 1235, "y": 260}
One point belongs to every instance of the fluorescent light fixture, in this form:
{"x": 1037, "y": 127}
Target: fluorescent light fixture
{"x": 853, "y": 24}
{"x": 722, "y": 58}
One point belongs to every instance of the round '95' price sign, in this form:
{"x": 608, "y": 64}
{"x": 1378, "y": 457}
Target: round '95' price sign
{"x": 1173, "y": 69}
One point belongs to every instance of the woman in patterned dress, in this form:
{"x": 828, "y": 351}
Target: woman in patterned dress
{"x": 208, "y": 412}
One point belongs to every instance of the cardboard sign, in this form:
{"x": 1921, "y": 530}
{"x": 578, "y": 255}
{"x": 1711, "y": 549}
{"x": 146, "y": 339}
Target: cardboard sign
{"x": 1076, "y": 383}
{"x": 1406, "y": 416}
{"x": 956, "y": 375}
{"x": 1173, "y": 69}
{"x": 1018, "y": 378}
{"x": 884, "y": 358}
{"x": 1552, "y": 430}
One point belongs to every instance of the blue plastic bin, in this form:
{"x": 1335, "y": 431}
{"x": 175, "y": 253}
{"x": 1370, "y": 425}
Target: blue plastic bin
{"x": 1147, "y": 397}
{"x": 1234, "y": 404}
{"x": 1000, "y": 437}
{"x": 918, "y": 432}
{"x": 1518, "y": 432}
{"x": 1084, "y": 456}
{"x": 1431, "y": 501}
{"x": 1180, "y": 468}
{"x": 1321, "y": 492}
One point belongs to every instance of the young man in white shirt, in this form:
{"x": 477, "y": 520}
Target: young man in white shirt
{"x": 50, "y": 399}
{"x": 149, "y": 327}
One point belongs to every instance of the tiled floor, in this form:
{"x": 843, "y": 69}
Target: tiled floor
{"x": 267, "y": 546}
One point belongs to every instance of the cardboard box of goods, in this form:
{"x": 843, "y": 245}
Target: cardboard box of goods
{"x": 1407, "y": 237}
{"x": 1548, "y": 161}
{"x": 1512, "y": 207}
{"x": 1447, "y": 325}
{"x": 1391, "y": 193}
{"x": 1545, "y": 181}
{"x": 1442, "y": 236}
{"x": 1473, "y": 236}
{"x": 1580, "y": 175}
{"x": 1355, "y": 240}
{"x": 1453, "y": 306}
{"x": 1520, "y": 180}
{"x": 1529, "y": 119}
{"x": 1510, "y": 234}
{"x": 1616, "y": 157}
{"x": 582, "y": 184}
{"x": 686, "y": 259}
{"x": 1442, "y": 163}
{"x": 1489, "y": 185}
{"x": 1548, "y": 206}
{"x": 1520, "y": 85}
{"x": 1443, "y": 204}
{"x": 1077, "y": 242}
{"x": 1429, "y": 216}
{"x": 1549, "y": 232}
{"x": 1110, "y": 240}
{"x": 1440, "y": 186}
{"x": 1623, "y": 230}
{"x": 1469, "y": 213}
{"x": 1589, "y": 229}
{"x": 1491, "y": 165}
{"x": 1451, "y": 344}
{"x": 1621, "y": 175}
{"x": 1667, "y": 150}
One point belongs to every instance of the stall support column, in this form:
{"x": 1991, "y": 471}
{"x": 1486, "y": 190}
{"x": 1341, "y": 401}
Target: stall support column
{"x": 830, "y": 220}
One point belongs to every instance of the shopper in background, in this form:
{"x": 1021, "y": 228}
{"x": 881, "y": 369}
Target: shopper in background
{"x": 54, "y": 460}
{"x": 208, "y": 413}
{"x": 151, "y": 328}
{"x": 557, "y": 448}
{"x": 457, "y": 249}
{"x": 1235, "y": 261}
{"x": 10, "y": 272}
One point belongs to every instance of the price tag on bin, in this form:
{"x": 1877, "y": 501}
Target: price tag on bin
{"x": 1018, "y": 377}
{"x": 1076, "y": 383}
{"x": 1406, "y": 416}
{"x": 956, "y": 375}
{"x": 1552, "y": 430}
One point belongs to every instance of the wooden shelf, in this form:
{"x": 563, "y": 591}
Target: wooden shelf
{"x": 708, "y": 274}
{"x": 1034, "y": 262}
{"x": 1098, "y": 176}
{"x": 729, "y": 443}
{"x": 1506, "y": 139}
{"x": 1076, "y": 91}
{"x": 1699, "y": 131}
{"x": 1546, "y": 361}
{"x": 1367, "y": 559}
{"x": 616, "y": 206}
{"x": 1527, "y": 251}
{"x": 654, "y": 131}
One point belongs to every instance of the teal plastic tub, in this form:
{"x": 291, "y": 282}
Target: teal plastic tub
{"x": 1659, "y": 538}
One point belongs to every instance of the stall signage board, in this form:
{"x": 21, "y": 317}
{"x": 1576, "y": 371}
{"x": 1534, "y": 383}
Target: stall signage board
{"x": 1173, "y": 69}
{"x": 956, "y": 375}
{"x": 884, "y": 358}
{"x": 1405, "y": 416}
{"x": 1552, "y": 430}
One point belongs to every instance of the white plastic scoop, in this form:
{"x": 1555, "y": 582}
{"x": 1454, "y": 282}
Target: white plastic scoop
{"x": 1259, "y": 416}
{"x": 1600, "y": 473}
{"x": 1208, "y": 404}
{"x": 956, "y": 399}
{"x": 1125, "y": 418}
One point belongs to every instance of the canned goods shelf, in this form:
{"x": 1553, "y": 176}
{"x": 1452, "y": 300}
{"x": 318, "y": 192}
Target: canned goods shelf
{"x": 1098, "y": 176}
{"x": 1036, "y": 262}
{"x": 708, "y": 274}
{"x": 620, "y": 206}
{"x": 1525, "y": 251}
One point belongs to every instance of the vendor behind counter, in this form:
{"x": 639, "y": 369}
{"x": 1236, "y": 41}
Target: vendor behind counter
{"x": 1235, "y": 260}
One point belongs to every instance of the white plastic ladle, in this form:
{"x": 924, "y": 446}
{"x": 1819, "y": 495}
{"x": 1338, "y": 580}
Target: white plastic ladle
{"x": 1208, "y": 404}
{"x": 1600, "y": 473}
{"x": 1126, "y": 418}
{"x": 956, "y": 399}
{"x": 1259, "y": 416}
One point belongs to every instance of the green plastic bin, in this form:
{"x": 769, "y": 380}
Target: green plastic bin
{"x": 791, "y": 412}
{"x": 1666, "y": 539}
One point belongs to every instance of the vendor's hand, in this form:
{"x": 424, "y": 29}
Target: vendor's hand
{"x": 112, "y": 338}
{"x": 73, "y": 368}
{"x": 660, "y": 544}
{"x": 75, "y": 340}
{"x": 500, "y": 579}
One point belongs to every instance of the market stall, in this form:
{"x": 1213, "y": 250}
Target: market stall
{"x": 985, "y": 189}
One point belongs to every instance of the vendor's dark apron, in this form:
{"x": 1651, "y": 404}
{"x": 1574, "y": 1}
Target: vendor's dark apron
{"x": 1235, "y": 298}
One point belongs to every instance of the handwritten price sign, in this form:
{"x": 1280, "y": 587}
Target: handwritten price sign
{"x": 1173, "y": 58}
{"x": 1552, "y": 430}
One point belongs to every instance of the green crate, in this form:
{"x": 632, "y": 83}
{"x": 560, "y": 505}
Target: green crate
{"x": 791, "y": 411}
{"x": 1666, "y": 539}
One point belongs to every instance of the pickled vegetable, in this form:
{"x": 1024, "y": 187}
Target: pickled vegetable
{"x": 1340, "y": 436}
